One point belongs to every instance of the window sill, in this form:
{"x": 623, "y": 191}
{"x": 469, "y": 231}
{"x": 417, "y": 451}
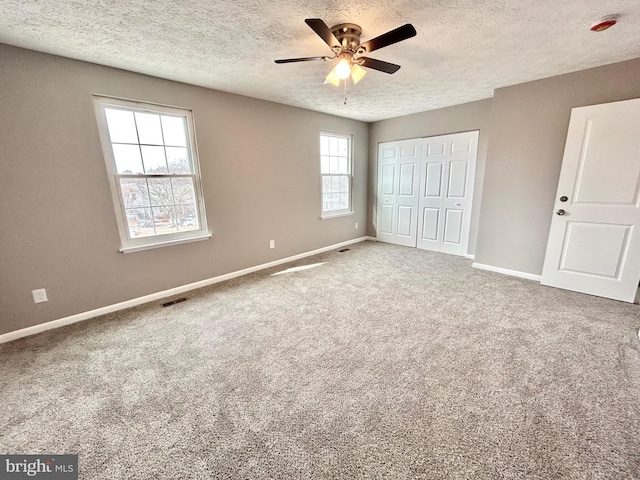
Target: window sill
{"x": 149, "y": 246}
{"x": 327, "y": 216}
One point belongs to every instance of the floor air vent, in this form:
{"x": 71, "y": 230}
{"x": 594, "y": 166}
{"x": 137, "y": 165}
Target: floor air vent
{"x": 344, "y": 250}
{"x": 173, "y": 302}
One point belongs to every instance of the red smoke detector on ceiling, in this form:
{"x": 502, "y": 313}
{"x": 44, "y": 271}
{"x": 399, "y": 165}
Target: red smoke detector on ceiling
{"x": 605, "y": 22}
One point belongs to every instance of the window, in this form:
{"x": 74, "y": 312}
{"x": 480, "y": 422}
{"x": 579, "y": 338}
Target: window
{"x": 152, "y": 161}
{"x": 335, "y": 169}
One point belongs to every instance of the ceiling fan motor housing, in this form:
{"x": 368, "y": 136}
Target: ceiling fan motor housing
{"x": 348, "y": 34}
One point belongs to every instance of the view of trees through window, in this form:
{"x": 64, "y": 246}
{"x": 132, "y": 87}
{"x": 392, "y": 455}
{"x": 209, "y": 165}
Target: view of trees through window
{"x": 335, "y": 168}
{"x": 155, "y": 171}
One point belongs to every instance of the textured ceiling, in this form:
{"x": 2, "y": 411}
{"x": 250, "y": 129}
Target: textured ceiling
{"x": 464, "y": 49}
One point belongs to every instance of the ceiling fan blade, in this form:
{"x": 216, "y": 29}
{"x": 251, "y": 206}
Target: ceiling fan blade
{"x": 303, "y": 59}
{"x": 323, "y": 32}
{"x": 389, "y": 38}
{"x": 385, "y": 67}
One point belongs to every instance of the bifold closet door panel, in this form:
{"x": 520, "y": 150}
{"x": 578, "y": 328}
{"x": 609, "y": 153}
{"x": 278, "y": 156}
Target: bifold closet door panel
{"x": 398, "y": 189}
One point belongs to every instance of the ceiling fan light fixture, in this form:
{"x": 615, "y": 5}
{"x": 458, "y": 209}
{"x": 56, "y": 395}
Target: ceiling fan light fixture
{"x": 332, "y": 78}
{"x": 357, "y": 73}
{"x": 343, "y": 68}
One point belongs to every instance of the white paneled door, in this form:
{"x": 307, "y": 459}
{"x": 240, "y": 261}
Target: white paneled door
{"x": 398, "y": 187}
{"x": 447, "y": 169}
{"x": 594, "y": 241}
{"x": 425, "y": 188}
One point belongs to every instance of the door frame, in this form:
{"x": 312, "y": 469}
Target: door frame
{"x": 470, "y": 188}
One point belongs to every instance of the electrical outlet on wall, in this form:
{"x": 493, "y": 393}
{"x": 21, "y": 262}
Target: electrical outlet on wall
{"x": 272, "y": 244}
{"x": 356, "y": 225}
{"x": 39, "y": 295}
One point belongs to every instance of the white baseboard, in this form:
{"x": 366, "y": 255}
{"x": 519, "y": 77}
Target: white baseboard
{"x": 506, "y": 271}
{"x": 10, "y": 336}
{"x": 468, "y": 256}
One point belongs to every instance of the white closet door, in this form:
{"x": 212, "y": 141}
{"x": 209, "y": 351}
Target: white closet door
{"x": 447, "y": 170}
{"x": 398, "y": 189}
{"x": 386, "y": 191}
{"x": 432, "y": 183}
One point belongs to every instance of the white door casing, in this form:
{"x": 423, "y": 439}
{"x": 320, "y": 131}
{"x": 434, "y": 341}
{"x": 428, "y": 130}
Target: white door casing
{"x": 447, "y": 171}
{"x": 425, "y": 190}
{"x": 397, "y": 195}
{"x": 594, "y": 240}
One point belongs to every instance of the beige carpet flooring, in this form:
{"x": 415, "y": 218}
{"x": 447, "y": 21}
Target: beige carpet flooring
{"x": 379, "y": 362}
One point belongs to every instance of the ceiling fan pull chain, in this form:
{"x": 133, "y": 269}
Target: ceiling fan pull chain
{"x": 345, "y": 91}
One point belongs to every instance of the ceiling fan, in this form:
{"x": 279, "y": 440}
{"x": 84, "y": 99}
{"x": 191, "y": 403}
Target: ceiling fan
{"x": 344, "y": 40}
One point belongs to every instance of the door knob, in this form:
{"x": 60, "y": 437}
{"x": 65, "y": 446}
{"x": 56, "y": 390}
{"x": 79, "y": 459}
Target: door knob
{"x": 560, "y": 212}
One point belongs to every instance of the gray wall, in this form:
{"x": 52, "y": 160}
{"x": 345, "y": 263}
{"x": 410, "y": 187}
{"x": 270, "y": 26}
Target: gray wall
{"x": 260, "y": 176}
{"x": 260, "y": 168}
{"x": 529, "y": 125}
{"x": 461, "y": 118}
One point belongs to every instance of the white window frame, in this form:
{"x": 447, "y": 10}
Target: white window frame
{"x": 129, "y": 244}
{"x": 325, "y": 214}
